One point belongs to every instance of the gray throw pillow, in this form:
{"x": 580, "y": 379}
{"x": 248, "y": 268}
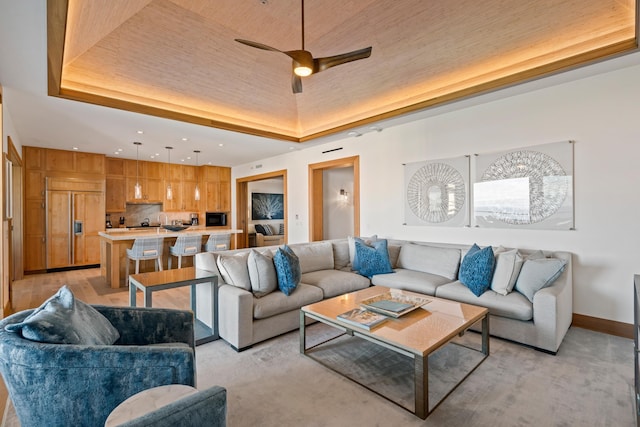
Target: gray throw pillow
{"x": 62, "y": 319}
{"x": 262, "y": 274}
{"x": 234, "y": 270}
{"x": 537, "y": 274}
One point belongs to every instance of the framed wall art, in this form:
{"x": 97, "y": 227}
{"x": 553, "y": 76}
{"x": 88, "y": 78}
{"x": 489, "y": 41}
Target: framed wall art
{"x": 437, "y": 192}
{"x": 267, "y": 206}
{"x": 531, "y": 187}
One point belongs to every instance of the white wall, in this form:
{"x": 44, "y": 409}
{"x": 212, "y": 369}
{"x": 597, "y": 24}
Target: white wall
{"x": 600, "y": 113}
{"x": 337, "y": 214}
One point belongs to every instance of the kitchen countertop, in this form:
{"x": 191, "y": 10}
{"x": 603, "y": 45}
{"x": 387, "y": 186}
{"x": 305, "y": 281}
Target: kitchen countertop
{"x": 153, "y": 232}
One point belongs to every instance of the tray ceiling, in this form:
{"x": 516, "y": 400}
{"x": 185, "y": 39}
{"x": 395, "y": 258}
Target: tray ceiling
{"x": 178, "y": 58}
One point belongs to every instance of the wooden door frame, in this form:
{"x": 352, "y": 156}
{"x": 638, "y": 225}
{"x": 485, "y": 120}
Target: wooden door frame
{"x": 316, "y": 197}
{"x": 242, "y": 204}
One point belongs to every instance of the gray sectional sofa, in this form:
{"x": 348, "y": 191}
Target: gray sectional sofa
{"x": 428, "y": 268}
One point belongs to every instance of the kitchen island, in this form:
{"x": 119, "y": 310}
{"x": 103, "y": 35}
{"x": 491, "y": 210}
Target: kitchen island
{"x": 115, "y": 241}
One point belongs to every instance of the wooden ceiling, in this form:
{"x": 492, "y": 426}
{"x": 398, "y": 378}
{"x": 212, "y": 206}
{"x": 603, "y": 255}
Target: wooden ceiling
{"x": 178, "y": 58}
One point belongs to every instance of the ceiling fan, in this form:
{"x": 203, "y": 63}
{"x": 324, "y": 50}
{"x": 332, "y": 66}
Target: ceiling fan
{"x": 304, "y": 64}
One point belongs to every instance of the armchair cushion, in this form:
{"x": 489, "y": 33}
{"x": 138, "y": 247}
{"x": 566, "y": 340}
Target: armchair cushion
{"x": 62, "y": 319}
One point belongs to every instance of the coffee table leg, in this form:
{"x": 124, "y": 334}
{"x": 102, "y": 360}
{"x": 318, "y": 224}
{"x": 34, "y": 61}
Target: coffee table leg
{"x": 147, "y": 297}
{"x": 303, "y": 338}
{"x": 485, "y": 335}
{"x": 421, "y": 366}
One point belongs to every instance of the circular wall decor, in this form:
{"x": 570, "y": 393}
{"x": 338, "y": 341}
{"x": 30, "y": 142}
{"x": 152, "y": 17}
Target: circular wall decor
{"x": 436, "y": 193}
{"x": 547, "y": 189}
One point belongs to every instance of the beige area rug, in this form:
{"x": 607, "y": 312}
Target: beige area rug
{"x": 588, "y": 383}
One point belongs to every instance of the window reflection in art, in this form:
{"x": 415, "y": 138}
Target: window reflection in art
{"x": 526, "y": 187}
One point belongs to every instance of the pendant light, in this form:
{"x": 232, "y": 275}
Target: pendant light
{"x": 197, "y": 191}
{"x": 169, "y": 190}
{"x": 137, "y": 189}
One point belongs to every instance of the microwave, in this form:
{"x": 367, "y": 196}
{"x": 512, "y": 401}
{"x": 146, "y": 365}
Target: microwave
{"x": 216, "y": 219}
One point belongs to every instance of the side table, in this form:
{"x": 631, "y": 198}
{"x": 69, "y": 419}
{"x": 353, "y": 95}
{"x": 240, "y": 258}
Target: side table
{"x": 146, "y": 401}
{"x": 168, "y": 279}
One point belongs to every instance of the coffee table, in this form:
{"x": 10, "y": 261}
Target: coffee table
{"x": 168, "y": 279}
{"x": 416, "y": 334}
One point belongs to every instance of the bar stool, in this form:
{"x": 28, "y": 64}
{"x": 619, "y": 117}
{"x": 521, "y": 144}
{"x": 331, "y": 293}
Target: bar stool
{"x": 144, "y": 249}
{"x": 185, "y": 246}
{"x": 218, "y": 242}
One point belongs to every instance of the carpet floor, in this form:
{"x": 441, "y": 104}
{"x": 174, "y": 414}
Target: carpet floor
{"x": 588, "y": 383}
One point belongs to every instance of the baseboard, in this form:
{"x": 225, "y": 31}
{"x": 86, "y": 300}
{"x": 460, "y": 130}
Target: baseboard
{"x": 597, "y": 324}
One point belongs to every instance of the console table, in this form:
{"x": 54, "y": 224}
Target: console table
{"x": 168, "y": 279}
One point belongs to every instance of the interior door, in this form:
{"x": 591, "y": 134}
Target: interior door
{"x": 58, "y": 229}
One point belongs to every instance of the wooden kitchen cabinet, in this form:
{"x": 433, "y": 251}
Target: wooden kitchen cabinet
{"x": 218, "y": 189}
{"x": 115, "y": 194}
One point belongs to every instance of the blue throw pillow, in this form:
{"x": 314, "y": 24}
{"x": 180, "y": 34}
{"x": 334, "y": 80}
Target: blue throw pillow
{"x": 62, "y": 319}
{"x": 287, "y": 269}
{"x": 372, "y": 259}
{"x": 476, "y": 269}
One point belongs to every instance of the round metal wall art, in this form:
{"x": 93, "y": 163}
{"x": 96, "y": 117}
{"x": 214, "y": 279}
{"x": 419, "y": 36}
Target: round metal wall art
{"x": 436, "y": 193}
{"x": 547, "y": 187}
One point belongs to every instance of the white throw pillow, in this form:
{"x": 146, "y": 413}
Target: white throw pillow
{"x": 508, "y": 265}
{"x": 262, "y": 273}
{"x": 234, "y": 270}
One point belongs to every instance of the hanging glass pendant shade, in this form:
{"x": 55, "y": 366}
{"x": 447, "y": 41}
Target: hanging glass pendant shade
{"x": 169, "y": 190}
{"x": 197, "y": 190}
{"x": 137, "y": 189}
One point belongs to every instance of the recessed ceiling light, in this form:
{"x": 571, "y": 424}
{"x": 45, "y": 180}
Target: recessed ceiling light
{"x": 75, "y": 148}
{"x": 185, "y": 139}
{"x": 354, "y": 134}
{"x": 221, "y": 145}
{"x": 292, "y": 148}
{"x": 116, "y": 153}
{"x": 120, "y": 149}
{"x": 140, "y": 132}
{"x": 375, "y": 128}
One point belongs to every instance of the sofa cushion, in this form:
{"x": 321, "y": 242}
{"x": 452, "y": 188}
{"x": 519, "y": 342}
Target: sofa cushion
{"x": 476, "y": 269}
{"x": 341, "y": 259}
{"x": 537, "y": 274}
{"x": 287, "y": 269}
{"x": 394, "y": 253}
{"x": 277, "y": 302}
{"x": 335, "y": 282}
{"x": 508, "y": 265}
{"x": 262, "y": 273}
{"x": 314, "y": 256}
{"x": 411, "y": 280}
{"x": 373, "y": 259}
{"x": 234, "y": 270}
{"x": 513, "y": 305}
{"x": 430, "y": 259}
{"x": 63, "y": 319}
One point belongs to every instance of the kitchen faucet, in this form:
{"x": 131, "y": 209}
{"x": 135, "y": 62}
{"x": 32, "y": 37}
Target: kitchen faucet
{"x": 166, "y": 219}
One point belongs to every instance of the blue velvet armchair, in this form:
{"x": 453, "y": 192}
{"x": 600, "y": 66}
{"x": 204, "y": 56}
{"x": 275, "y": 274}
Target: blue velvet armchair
{"x": 79, "y": 385}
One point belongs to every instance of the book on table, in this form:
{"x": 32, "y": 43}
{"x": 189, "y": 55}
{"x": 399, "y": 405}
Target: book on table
{"x": 363, "y": 318}
{"x": 394, "y": 304}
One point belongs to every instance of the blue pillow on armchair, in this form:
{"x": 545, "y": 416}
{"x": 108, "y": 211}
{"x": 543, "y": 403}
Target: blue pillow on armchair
{"x": 476, "y": 269}
{"x": 63, "y": 319}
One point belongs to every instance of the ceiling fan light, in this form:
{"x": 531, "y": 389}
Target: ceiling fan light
{"x": 302, "y": 70}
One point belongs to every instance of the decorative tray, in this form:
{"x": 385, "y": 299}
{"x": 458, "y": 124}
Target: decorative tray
{"x": 394, "y": 304}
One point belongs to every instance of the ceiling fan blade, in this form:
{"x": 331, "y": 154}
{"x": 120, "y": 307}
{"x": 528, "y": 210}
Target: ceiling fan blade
{"x": 296, "y": 83}
{"x": 321, "y": 64}
{"x": 258, "y": 45}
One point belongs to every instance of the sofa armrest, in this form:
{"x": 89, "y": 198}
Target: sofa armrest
{"x": 236, "y": 316}
{"x": 144, "y": 326}
{"x": 553, "y": 308}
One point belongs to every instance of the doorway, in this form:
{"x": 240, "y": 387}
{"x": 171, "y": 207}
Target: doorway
{"x": 243, "y": 207}
{"x": 320, "y": 194}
